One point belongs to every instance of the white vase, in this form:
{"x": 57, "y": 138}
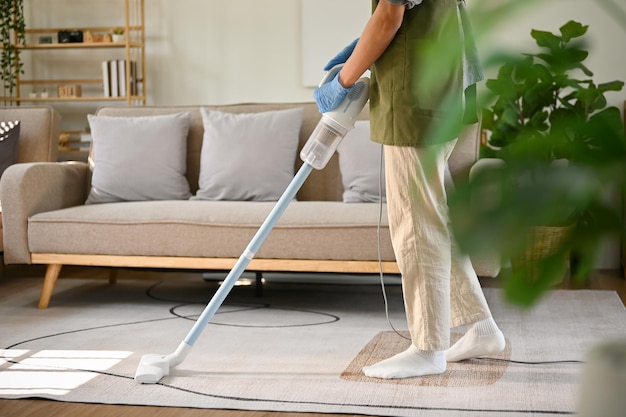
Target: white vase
{"x": 118, "y": 38}
{"x": 603, "y": 388}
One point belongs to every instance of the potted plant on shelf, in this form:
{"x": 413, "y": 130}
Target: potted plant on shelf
{"x": 12, "y": 34}
{"x": 118, "y": 34}
{"x": 561, "y": 147}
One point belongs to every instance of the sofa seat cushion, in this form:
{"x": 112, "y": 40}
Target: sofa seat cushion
{"x": 221, "y": 229}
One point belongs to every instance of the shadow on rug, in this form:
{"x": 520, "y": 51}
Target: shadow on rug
{"x": 471, "y": 373}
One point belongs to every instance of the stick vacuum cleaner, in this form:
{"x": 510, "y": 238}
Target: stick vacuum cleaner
{"x": 315, "y": 154}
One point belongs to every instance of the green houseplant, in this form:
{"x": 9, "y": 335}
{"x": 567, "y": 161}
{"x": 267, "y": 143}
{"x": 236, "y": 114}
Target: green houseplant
{"x": 542, "y": 109}
{"x": 12, "y": 33}
{"x": 561, "y": 145}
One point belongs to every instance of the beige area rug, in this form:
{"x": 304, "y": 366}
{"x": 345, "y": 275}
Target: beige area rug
{"x": 298, "y": 348}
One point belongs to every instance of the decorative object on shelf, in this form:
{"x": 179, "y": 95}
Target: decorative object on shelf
{"x": 76, "y": 36}
{"x": 64, "y": 140}
{"x": 63, "y": 36}
{"x": 118, "y": 34}
{"x": 69, "y": 91}
{"x": 44, "y": 93}
{"x": 12, "y": 32}
{"x": 74, "y": 141}
{"x": 33, "y": 94}
{"x": 70, "y": 36}
{"x": 90, "y": 37}
{"x": 45, "y": 39}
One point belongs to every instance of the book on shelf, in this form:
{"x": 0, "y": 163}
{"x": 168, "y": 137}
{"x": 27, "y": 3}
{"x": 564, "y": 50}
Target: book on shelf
{"x": 115, "y": 91}
{"x": 121, "y": 77}
{"x": 106, "y": 79}
{"x": 133, "y": 78}
{"x": 116, "y": 79}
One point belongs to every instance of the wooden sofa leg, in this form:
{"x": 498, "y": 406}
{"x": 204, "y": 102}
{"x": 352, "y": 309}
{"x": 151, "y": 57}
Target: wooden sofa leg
{"x": 259, "y": 283}
{"x": 52, "y": 274}
{"x": 113, "y": 276}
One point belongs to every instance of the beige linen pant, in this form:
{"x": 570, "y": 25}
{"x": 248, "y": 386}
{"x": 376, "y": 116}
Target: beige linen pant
{"x": 440, "y": 287}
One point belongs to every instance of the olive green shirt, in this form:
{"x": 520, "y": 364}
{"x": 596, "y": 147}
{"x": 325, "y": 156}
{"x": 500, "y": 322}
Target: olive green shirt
{"x": 420, "y": 79}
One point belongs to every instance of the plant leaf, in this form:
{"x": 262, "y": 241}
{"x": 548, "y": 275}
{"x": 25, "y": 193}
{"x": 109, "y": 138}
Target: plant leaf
{"x": 572, "y": 29}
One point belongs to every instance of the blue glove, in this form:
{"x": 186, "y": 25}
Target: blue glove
{"x": 330, "y": 95}
{"x": 342, "y": 56}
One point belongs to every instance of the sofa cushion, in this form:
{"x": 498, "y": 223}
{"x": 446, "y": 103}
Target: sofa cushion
{"x": 139, "y": 158}
{"x": 216, "y": 229}
{"x": 360, "y": 166}
{"x": 9, "y": 137}
{"x": 248, "y": 156}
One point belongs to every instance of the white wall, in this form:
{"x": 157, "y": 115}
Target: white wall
{"x": 216, "y": 51}
{"x": 219, "y": 51}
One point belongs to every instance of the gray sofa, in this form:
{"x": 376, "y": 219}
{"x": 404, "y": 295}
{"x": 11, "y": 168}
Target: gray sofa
{"x": 47, "y": 222}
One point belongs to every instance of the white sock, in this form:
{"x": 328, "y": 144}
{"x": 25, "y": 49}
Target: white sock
{"x": 410, "y": 363}
{"x": 482, "y": 338}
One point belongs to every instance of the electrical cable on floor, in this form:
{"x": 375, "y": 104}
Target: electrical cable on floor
{"x": 556, "y": 362}
{"x": 378, "y": 236}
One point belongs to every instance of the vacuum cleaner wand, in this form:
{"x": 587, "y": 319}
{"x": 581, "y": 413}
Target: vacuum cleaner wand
{"x": 315, "y": 154}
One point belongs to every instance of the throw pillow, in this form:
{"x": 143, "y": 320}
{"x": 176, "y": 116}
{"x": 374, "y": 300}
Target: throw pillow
{"x": 248, "y": 156}
{"x": 139, "y": 158}
{"x": 360, "y": 166}
{"x": 9, "y": 136}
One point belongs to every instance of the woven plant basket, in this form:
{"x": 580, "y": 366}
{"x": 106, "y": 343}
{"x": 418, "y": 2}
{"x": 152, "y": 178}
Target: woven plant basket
{"x": 545, "y": 240}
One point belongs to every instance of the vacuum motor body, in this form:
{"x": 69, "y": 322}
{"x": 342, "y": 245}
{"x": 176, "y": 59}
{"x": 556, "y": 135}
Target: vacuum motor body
{"x": 335, "y": 124}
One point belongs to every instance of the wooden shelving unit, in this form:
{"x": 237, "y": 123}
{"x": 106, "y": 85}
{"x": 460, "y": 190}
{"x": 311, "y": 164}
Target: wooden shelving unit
{"x": 30, "y": 84}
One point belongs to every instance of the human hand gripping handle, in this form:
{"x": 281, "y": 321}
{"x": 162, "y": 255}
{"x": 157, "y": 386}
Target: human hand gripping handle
{"x": 331, "y": 93}
{"x": 329, "y": 96}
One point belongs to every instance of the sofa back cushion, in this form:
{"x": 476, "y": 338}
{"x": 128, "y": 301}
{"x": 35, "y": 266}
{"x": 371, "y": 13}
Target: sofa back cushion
{"x": 139, "y": 158}
{"x": 248, "y": 156}
{"x": 322, "y": 185}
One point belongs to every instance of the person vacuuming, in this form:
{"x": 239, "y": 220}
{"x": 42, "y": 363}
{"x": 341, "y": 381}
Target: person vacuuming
{"x": 315, "y": 154}
{"x": 440, "y": 287}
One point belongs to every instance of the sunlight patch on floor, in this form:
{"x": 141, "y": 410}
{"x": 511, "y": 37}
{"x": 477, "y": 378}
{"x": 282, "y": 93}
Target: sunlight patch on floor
{"x": 25, "y": 372}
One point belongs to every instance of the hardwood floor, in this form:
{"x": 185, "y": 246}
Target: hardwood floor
{"x": 602, "y": 280}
